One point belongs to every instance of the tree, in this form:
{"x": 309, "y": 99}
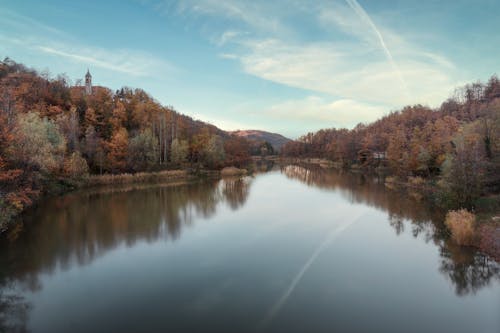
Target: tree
{"x": 266, "y": 149}
{"x": 119, "y": 116}
{"x": 90, "y": 144}
{"x": 38, "y": 143}
{"x": 397, "y": 151}
{"x": 143, "y": 151}
{"x": 213, "y": 153}
{"x": 69, "y": 126}
{"x": 117, "y": 150}
{"x": 463, "y": 171}
{"x": 237, "y": 151}
{"x": 75, "y": 167}
{"x": 179, "y": 152}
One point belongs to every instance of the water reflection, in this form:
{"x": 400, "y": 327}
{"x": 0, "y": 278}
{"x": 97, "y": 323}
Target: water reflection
{"x": 236, "y": 191}
{"x": 469, "y": 270}
{"x": 76, "y": 229}
{"x": 13, "y": 311}
{"x": 79, "y": 227}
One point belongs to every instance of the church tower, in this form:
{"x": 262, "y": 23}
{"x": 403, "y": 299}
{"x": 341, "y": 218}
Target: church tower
{"x": 88, "y": 83}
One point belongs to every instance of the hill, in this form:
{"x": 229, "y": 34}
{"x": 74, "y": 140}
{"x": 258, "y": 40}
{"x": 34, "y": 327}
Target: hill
{"x": 276, "y": 140}
{"x": 53, "y": 135}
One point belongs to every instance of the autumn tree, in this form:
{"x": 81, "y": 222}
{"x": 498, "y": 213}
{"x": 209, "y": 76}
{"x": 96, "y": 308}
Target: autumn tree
{"x": 237, "y": 151}
{"x": 213, "y": 153}
{"x": 75, "y": 168}
{"x": 463, "y": 171}
{"x": 143, "y": 151}
{"x": 117, "y": 150}
{"x": 68, "y": 123}
{"x": 38, "y": 143}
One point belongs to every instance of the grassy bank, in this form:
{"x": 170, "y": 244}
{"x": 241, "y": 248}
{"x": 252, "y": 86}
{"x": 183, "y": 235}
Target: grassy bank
{"x": 140, "y": 177}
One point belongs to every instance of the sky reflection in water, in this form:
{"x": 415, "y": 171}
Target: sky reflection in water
{"x": 292, "y": 250}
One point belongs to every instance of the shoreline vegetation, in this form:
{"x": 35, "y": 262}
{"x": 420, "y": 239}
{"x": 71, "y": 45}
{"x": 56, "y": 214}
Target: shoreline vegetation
{"x": 483, "y": 233}
{"x": 113, "y": 181}
{"x": 449, "y": 156}
{"x": 141, "y": 177}
{"x": 56, "y": 137}
{"x": 166, "y": 176}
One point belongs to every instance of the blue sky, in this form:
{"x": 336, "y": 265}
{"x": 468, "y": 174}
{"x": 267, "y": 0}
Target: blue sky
{"x": 285, "y": 66}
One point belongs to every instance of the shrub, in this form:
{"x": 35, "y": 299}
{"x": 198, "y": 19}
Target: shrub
{"x": 143, "y": 151}
{"x": 416, "y": 181}
{"x": 461, "y": 224}
{"x": 391, "y": 182}
{"x": 75, "y": 167}
{"x": 233, "y": 171}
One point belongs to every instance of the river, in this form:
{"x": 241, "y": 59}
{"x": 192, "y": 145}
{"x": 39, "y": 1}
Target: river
{"x": 295, "y": 249}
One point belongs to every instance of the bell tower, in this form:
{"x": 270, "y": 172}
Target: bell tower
{"x": 88, "y": 83}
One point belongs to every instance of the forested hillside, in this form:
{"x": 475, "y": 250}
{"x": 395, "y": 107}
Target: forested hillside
{"x": 262, "y": 139}
{"x": 52, "y": 135}
{"x": 457, "y": 144}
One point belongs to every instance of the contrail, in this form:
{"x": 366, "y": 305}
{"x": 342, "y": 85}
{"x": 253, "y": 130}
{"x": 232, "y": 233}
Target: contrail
{"x": 321, "y": 247}
{"x": 363, "y": 15}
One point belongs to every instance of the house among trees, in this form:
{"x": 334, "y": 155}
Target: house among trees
{"x": 379, "y": 155}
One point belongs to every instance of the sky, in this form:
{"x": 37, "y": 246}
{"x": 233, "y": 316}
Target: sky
{"x": 286, "y": 66}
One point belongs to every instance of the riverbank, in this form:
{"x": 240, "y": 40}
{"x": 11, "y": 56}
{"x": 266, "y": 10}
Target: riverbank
{"x": 140, "y": 177}
{"x": 95, "y": 181}
{"x": 486, "y": 233}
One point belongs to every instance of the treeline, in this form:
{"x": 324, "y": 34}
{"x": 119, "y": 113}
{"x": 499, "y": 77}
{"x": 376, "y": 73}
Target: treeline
{"x": 457, "y": 144}
{"x": 53, "y": 134}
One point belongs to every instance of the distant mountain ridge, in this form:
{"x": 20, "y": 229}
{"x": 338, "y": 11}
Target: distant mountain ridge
{"x": 276, "y": 140}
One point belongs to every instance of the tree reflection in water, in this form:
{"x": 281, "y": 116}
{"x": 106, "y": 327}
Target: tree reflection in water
{"x": 235, "y": 190}
{"x": 79, "y": 227}
{"x": 468, "y": 269}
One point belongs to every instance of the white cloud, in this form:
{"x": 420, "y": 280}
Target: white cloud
{"x": 227, "y": 36}
{"x": 228, "y": 56}
{"x": 373, "y": 65}
{"x": 340, "y": 70}
{"x": 340, "y": 113}
{"x": 254, "y": 14}
{"x": 222, "y": 123}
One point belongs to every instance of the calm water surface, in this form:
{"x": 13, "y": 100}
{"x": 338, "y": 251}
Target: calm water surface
{"x": 297, "y": 249}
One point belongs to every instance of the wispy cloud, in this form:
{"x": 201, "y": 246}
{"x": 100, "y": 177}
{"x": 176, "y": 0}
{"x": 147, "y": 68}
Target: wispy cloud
{"x": 341, "y": 71}
{"x": 25, "y": 33}
{"x": 366, "y": 18}
{"x": 361, "y": 67}
{"x": 21, "y": 23}
{"x": 123, "y": 61}
{"x": 227, "y": 36}
{"x": 256, "y": 15}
